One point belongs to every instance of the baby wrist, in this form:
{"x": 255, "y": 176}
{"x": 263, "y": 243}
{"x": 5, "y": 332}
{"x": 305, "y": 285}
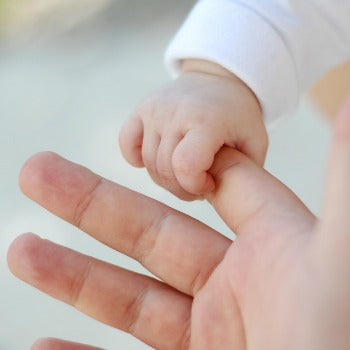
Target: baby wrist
{"x": 208, "y": 67}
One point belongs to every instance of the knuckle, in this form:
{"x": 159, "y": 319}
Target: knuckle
{"x": 130, "y": 130}
{"x": 133, "y": 310}
{"x": 85, "y": 202}
{"x": 149, "y": 162}
{"x": 164, "y": 169}
{"x": 78, "y": 284}
{"x": 166, "y": 174}
{"x": 183, "y": 164}
{"x": 132, "y": 121}
{"x": 146, "y": 109}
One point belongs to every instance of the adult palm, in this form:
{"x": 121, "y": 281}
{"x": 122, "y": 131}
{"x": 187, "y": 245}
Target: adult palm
{"x": 284, "y": 283}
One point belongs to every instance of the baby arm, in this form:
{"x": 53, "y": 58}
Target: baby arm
{"x": 177, "y": 131}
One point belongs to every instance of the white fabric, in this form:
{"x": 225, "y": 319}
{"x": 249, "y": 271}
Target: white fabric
{"x": 278, "y": 47}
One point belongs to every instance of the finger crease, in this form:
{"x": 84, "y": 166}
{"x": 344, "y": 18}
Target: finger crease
{"x": 241, "y": 224}
{"x": 78, "y": 285}
{"x": 146, "y": 241}
{"x": 133, "y": 310}
{"x": 201, "y": 278}
{"x": 217, "y": 173}
{"x": 166, "y": 174}
{"x": 85, "y": 203}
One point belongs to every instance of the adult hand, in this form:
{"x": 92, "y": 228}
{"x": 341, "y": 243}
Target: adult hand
{"x": 284, "y": 283}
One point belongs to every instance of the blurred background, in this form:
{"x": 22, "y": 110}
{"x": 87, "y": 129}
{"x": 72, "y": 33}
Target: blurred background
{"x": 71, "y": 71}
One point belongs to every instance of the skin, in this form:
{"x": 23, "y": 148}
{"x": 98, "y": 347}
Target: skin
{"x": 284, "y": 283}
{"x": 331, "y": 89}
{"x": 176, "y": 132}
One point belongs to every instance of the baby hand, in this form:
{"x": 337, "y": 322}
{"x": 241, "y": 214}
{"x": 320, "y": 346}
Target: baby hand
{"x": 176, "y": 132}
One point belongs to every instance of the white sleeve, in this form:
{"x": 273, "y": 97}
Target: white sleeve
{"x": 277, "y": 47}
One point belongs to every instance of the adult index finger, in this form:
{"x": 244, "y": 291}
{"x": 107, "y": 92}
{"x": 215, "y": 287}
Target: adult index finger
{"x": 180, "y": 250}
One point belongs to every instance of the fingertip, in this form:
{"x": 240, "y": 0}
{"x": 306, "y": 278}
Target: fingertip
{"x": 130, "y": 141}
{"x": 191, "y": 181}
{"x": 43, "y": 344}
{"x": 21, "y": 252}
{"x": 46, "y": 176}
{"x": 58, "y": 344}
{"x": 31, "y": 169}
{"x": 197, "y": 185}
{"x": 202, "y": 185}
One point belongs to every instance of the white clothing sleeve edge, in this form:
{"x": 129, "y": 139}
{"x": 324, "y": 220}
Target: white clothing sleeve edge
{"x": 229, "y": 43}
